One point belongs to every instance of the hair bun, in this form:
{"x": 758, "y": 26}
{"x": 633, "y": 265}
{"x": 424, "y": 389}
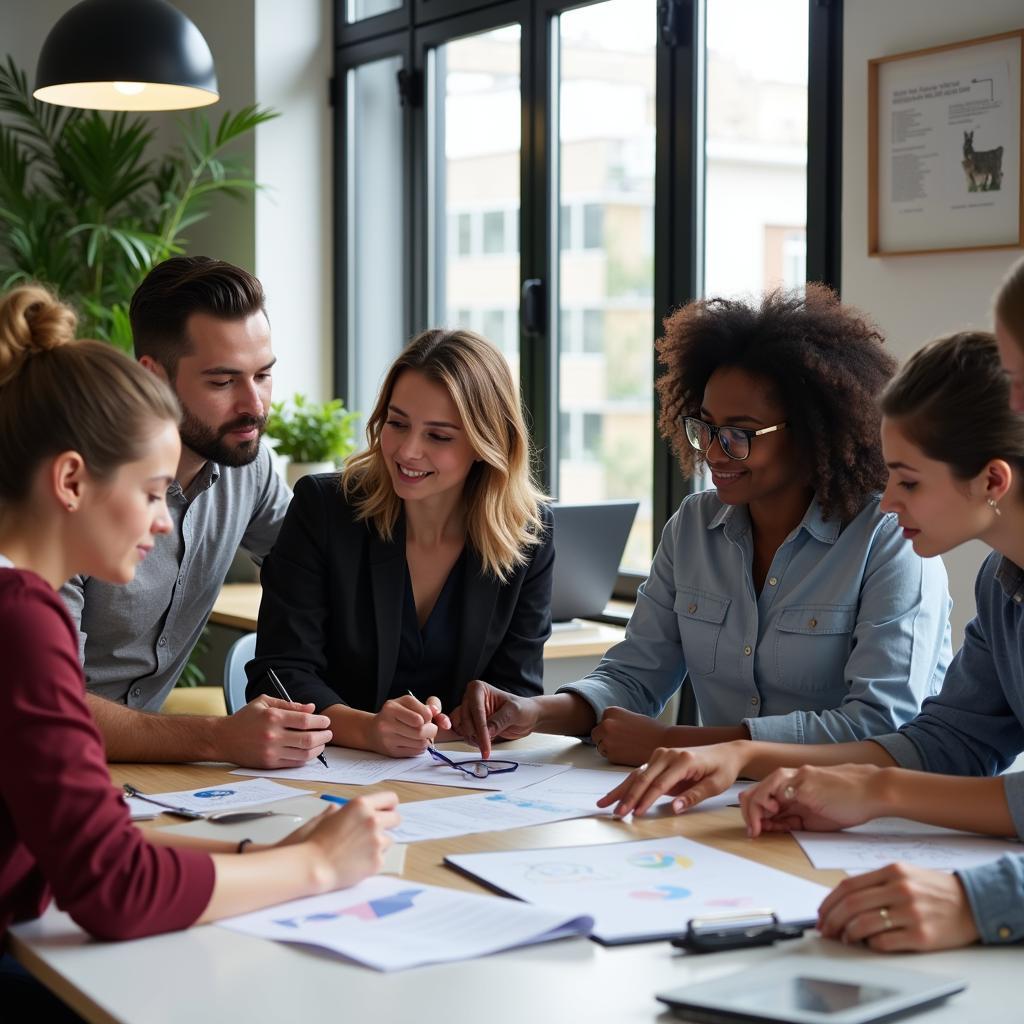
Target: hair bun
{"x": 32, "y": 320}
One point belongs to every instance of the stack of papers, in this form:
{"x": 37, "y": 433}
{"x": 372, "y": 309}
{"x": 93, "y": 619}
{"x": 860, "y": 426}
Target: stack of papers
{"x": 493, "y": 812}
{"x": 390, "y": 924}
{"x": 364, "y": 768}
{"x": 647, "y": 890}
{"x": 886, "y": 840}
{"x": 206, "y": 800}
{"x": 344, "y": 767}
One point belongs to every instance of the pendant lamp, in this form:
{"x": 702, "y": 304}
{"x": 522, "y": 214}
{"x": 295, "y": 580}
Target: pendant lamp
{"x": 126, "y": 55}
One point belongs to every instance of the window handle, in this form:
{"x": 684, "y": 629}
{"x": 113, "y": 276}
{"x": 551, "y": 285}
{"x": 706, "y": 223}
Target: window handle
{"x": 531, "y": 308}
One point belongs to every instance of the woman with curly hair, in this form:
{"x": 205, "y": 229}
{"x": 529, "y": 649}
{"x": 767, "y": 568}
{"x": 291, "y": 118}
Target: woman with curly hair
{"x": 790, "y": 599}
{"x": 955, "y": 455}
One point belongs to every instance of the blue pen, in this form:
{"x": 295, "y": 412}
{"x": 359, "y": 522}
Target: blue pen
{"x": 331, "y": 798}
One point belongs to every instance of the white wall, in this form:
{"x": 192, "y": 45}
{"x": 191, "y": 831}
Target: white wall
{"x": 914, "y": 298}
{"x": 294, "y": 215}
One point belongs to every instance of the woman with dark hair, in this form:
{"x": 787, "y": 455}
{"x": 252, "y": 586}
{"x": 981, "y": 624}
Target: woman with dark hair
{"x": 790, "y": 599}
{"x": 955, "y": 453}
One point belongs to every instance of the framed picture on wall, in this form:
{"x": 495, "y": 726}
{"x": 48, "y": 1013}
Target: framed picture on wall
{"x": 944, "y": 148}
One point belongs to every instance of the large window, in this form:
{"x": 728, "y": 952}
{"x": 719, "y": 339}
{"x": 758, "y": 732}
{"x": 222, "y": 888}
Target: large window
{"x": 755, "y": 146}
{"x": 473, "y": 125}
{"x": 604, "y": 192}
{"x": 558, "y": 175}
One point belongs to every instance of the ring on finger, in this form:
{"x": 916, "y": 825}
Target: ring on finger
{"x": 887, "y": 921}
{"x": 789, "y": 792}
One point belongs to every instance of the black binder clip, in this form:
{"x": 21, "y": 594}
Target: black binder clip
{"x": 735, "y": 931}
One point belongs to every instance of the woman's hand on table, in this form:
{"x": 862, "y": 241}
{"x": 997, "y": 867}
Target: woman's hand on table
{"x": 624, "y": 737}
{"x": 815, "y": 799}
{"x": 349, "y": 842}
{"x": 406, "y": 726}
{"x": 899, "y": 908}
{"x": 689, "y": 774}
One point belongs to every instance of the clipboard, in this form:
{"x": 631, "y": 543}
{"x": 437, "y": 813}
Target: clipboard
{"x": 662, "y": 917}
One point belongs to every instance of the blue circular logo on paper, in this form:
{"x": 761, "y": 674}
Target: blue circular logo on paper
{"x": 213, "y": 794}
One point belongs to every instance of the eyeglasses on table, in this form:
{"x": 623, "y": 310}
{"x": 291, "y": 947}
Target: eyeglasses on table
{"x": 477, "y": 767}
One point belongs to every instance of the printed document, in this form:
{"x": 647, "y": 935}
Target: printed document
{"x": 391, "y": 923}
{"x": 225, "y": 797}
{"x": 345, "y": 767}
{"x": 640, "y": 891}
{"x": 886, "y": 840}
{"x": 490, "y": 812}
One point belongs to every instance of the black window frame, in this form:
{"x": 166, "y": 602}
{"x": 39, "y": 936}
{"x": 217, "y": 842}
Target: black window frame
{"x": 679, "y": 172}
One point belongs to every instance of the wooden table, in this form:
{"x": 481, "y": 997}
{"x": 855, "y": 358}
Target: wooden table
{"x": 210, "y": 974}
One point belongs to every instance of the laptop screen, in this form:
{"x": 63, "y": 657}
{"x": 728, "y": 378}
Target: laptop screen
{"x": 589, "y": 541}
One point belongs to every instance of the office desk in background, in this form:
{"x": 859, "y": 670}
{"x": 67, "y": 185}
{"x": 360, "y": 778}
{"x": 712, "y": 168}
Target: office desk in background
{"x": 209, "y": 974}
{"x": 568, "y": 655}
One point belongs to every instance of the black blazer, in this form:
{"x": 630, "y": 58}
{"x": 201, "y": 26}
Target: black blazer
{"x": 331, "y": 613}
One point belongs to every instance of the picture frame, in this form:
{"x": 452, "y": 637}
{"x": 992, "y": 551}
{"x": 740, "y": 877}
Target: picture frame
{"x": 945, "y": 148}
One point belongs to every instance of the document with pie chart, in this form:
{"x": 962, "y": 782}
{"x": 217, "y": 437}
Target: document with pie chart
{"x": 646, "y": 890}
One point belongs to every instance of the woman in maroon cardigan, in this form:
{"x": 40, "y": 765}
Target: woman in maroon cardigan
{"x": 90, "y": 445}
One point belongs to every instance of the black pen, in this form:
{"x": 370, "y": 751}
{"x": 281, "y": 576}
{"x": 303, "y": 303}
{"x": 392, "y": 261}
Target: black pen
{"x": 283, "y": 694}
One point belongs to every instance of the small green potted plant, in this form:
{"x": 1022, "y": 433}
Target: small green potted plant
{"x": 315, "y": 436}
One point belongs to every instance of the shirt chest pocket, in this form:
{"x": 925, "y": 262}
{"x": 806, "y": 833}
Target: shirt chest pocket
{"x": 700, "y": 616}
{"x": 812, "y": 646}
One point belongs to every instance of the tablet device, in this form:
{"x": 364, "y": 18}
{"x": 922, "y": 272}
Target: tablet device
{"x": 811, "y": 990}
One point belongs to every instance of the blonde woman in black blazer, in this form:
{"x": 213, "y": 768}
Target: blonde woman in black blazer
{"x": 424, "y": 565}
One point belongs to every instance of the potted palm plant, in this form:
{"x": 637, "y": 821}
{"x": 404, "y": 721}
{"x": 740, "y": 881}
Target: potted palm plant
{"x": 87, "y": 208}
{"x": 315, "y": 436}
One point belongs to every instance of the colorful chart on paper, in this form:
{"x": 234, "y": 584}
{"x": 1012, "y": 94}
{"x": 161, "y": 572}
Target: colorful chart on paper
{"x": 645, "y": 889}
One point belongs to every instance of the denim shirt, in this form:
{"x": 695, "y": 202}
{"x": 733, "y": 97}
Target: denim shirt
{"x": 848, "y": 636}
{"x": 975, "y": 726}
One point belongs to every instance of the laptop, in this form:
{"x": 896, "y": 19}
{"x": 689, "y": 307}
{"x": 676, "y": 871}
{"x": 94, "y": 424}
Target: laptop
{"x": 589, "y": 541}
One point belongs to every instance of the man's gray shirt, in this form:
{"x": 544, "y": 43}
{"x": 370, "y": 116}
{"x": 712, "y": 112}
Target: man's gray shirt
{"x": 135, "y": 639}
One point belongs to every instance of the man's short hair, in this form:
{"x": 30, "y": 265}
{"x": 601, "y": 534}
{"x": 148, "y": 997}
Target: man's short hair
{"x": 175, "y": 289}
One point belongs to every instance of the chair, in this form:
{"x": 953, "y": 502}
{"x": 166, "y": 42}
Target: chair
{"x": 243, "y": 650}
{"x": 688, "y": 713}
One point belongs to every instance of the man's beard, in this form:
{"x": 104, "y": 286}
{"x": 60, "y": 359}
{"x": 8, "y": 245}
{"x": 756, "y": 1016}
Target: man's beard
{"x": 210, "y": 443}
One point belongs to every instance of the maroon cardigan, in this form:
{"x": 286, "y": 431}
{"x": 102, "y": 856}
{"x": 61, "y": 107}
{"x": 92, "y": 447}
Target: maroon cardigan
{"x": 65, "y": 833}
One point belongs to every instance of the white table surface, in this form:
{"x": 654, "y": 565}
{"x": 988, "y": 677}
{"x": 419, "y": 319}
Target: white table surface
{"x": 212, "y": 975}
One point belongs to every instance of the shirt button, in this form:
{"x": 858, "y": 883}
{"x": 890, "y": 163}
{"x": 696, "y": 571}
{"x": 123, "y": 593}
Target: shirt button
{"x": 812, "y": 623}
{"x": 137, "y": 692}
{"x": 692, "y": 608}
{"x": 1005, "y": 932}
{"x": 772, "y": 581}
{"x": 181, "y": 581}
{"x": 163, "y": 641}
{"x": 748, "y": 650}
{"x": 754, "y": 701}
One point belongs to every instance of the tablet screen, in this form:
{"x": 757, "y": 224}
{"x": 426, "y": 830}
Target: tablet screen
{"x": 817, "y": 995}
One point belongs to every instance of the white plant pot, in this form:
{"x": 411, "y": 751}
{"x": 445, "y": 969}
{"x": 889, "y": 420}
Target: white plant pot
{"x": 294, "y": 471}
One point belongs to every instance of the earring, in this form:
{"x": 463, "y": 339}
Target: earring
{"x": 991, "y": 502}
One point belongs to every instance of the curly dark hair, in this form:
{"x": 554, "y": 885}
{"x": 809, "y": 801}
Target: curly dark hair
{"x": 824, "y": 360}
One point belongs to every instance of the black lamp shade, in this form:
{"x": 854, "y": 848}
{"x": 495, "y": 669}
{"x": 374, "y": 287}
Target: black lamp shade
{"x": 126, "y": 55}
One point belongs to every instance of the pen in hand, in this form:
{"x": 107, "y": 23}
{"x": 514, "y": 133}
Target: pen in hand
{"x": 413, "y": 695}
{"x": 283, "y": 694}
